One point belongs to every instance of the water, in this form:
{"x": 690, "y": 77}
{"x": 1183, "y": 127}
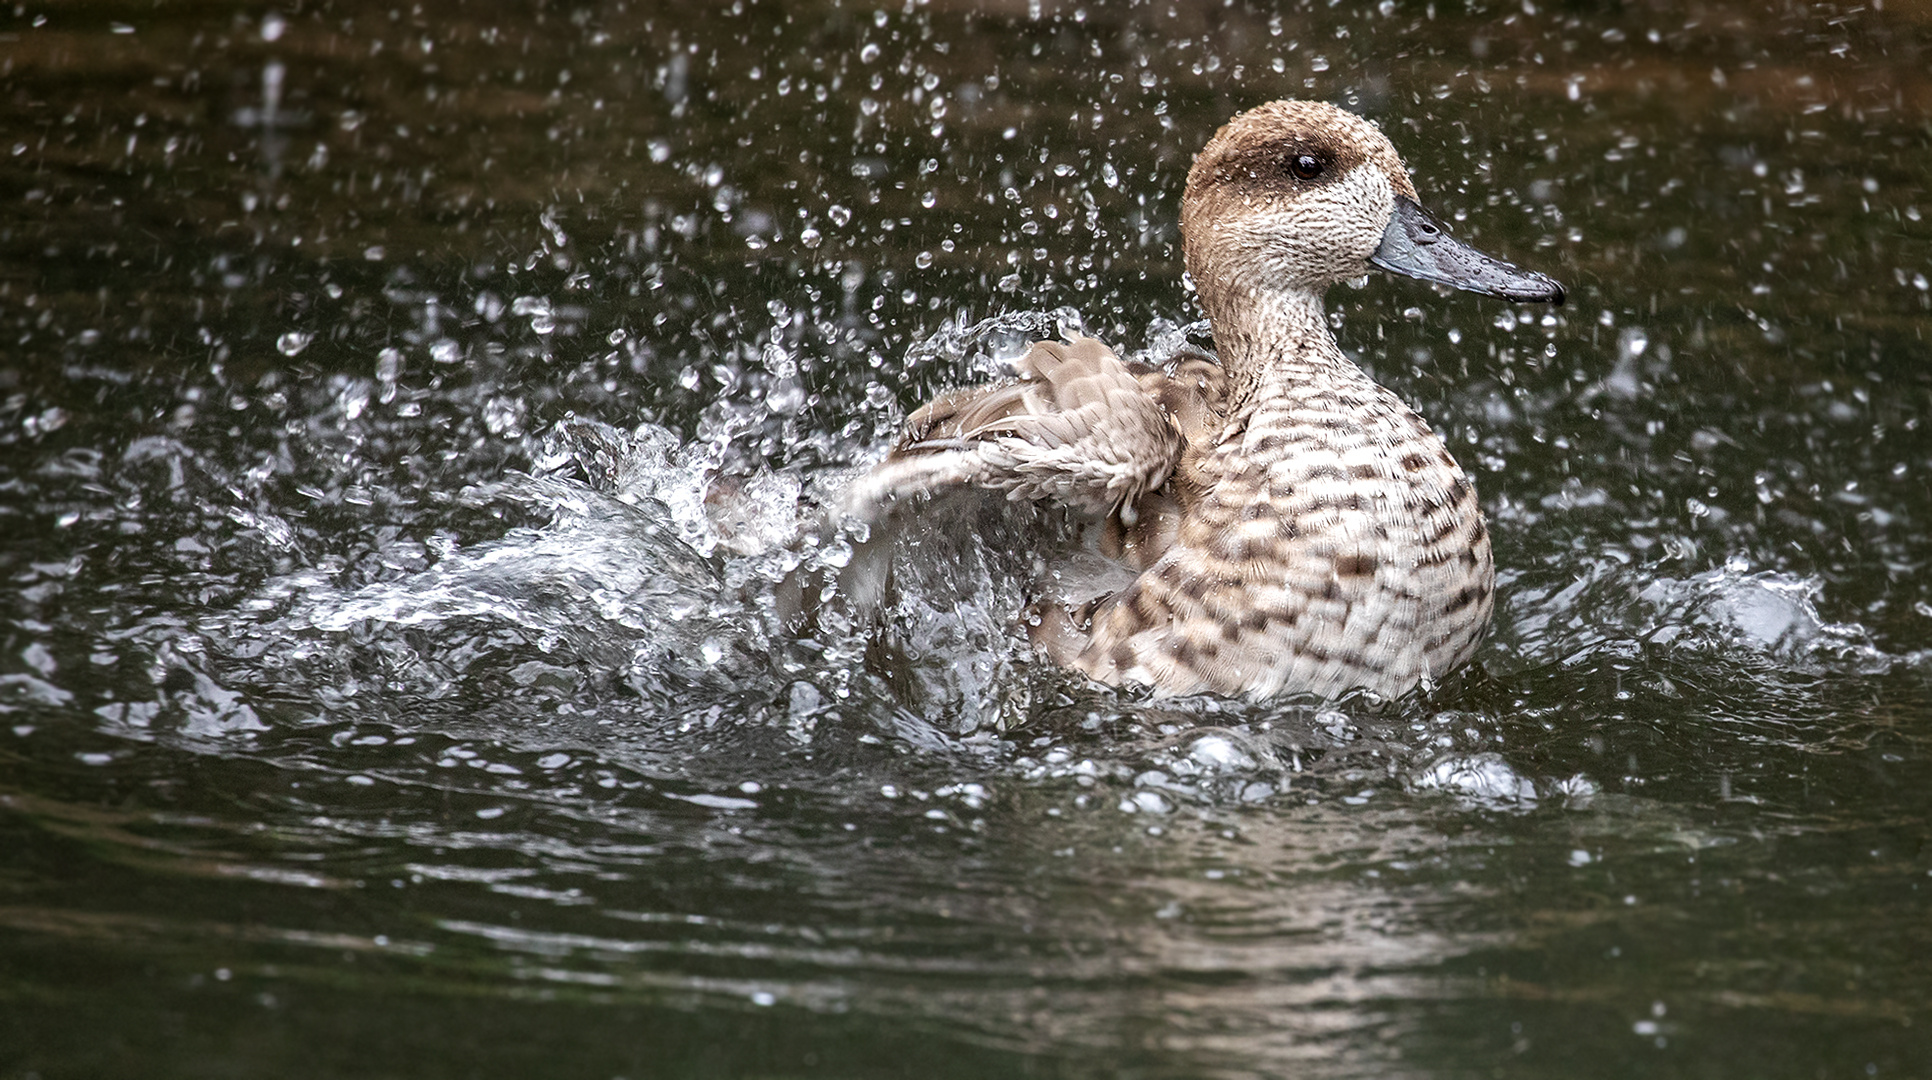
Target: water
{"x": 415, "y": 429}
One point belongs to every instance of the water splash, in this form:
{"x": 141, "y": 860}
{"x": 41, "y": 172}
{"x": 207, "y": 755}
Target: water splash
{"x": 1763, "y": 617}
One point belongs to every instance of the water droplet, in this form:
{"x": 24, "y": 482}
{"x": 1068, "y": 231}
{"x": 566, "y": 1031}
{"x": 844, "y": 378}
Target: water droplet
{"x": 293, "y": 342}
{"x": 785, "y": 397}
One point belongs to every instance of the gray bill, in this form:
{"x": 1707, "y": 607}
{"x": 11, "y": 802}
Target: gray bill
{"x": 1417, "y": 245}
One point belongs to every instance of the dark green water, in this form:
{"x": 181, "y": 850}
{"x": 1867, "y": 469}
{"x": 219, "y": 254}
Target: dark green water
{"x": 404, "y": 410}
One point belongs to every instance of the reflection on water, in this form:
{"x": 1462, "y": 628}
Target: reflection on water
{"x": 423, "y": 625}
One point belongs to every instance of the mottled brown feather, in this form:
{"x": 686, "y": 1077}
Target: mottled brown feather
{"x": 1073, "y": 426}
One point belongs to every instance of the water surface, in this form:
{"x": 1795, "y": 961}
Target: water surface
{"x": 413, "y": 424}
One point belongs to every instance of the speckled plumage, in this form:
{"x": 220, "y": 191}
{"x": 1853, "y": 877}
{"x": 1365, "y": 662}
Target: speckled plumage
{"x": 1295, "y": 528}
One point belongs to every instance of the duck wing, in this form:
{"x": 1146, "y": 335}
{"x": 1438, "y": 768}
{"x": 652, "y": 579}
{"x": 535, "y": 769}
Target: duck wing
{"x": 1075, "y": 427}
{"x": 1192, "y": 389}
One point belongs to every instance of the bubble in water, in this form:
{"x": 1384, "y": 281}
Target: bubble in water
{"x": 293, "y": 342}
{"x": 1485, "y": 777}
{"x": 1220, "y": 753}
{"x": 804, "y": 701}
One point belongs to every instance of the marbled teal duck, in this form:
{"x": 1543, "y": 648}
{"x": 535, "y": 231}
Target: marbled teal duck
{"x": 1292, "y": 527}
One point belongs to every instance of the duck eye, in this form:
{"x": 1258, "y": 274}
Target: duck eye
{"x": 1305, "y": 166}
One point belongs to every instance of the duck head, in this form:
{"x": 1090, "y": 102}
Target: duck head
{"x": 1297, "y": 195}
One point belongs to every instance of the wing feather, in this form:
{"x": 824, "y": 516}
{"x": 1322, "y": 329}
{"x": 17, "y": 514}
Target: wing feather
{"x": 1076, "y": 427}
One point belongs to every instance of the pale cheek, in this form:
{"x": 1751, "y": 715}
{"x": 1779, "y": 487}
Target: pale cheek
{"x": 1330, "y": 233}
{"x": 1367, "y": 202}
{"x": 1327, "y": 234}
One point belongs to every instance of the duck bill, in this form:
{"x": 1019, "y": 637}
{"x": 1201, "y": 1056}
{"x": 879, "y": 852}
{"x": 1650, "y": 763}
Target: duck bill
{"x": 1417, "y": 245}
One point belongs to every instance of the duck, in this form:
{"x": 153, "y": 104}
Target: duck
{"x": 1284, "y": 524}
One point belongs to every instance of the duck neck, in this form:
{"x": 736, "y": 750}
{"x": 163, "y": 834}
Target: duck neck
{"x": 1274, "y": 341}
